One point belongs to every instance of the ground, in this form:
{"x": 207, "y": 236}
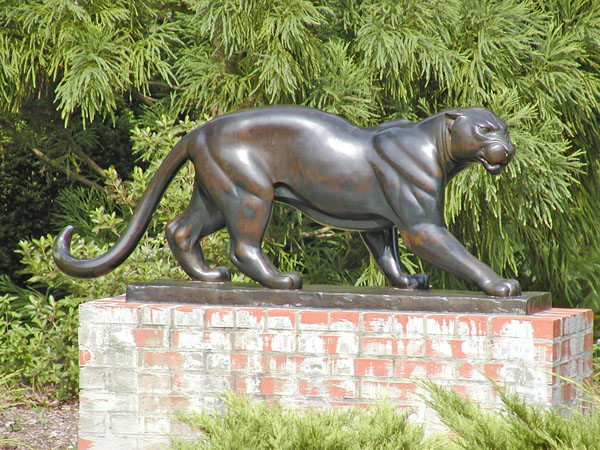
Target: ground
{"x": 50, "y": 428}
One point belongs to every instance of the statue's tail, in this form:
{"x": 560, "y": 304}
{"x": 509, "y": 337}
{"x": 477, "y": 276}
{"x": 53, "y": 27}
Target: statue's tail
{"x": 103, "y": 264}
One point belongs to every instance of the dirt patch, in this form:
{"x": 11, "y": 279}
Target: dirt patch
{"x": 53, "y": 428}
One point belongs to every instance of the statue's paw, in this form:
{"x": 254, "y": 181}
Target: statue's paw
{"x": 417, "y": 281}
{"x": 216, "y": 275}
{"x": 503, "y": 288}
{"x": 420, "y": 279}
{"x": 288, "y": 280}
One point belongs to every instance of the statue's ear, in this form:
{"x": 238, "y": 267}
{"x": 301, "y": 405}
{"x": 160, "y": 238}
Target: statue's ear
{"x": 451, "y": 117}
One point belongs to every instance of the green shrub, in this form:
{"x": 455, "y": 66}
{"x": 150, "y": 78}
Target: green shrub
{"x": 38, "y": 341}
{"x": 255, "y": 425}
{"x": 517, "y": 425}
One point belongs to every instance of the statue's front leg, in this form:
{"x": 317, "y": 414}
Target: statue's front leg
{"x": 383, "y": 246}
{"x": 436, "y": 245}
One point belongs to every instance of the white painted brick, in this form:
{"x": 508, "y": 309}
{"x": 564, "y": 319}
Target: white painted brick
{"x": 474, "y": 347}
{"x": 156, "y": 315}
{"x": 342, "y": 325}
{"x": 93, "y": 335}
{"x": 442, "y": 347}
{"x": 220, "y": 362}
{"x": 310, "y": 343}
{"x": 93, "y": 401}
{"x": 525, "y": 376}
{"x": 440, "y": 326}
{"x": 114, "y": 357}
{"x": 196, "y": 383}
{"x": 125, "y": 424}
{"x": 155, "y": 424}
{"x": 92, "y": 377}
{"x": 245, "y": 319}
{"x": 415, "y": 326}
{"x": 347, "y": 344}
{"x": 193, "y": 361}
{"x": 379, "y": 325}
{"x": 192, "y": 318}
{"x": 513, "y": 349}
{"x": 518, "y": 329}
{"x": 204, "y": 340}
{"x": 279, "y": 323}
{"x": 122, "y": 380}
{"x": 221, "y": 319}
{"x": 470, "y": 328}
{"x": 314, "y": 366}
{"x": 93, "y": 422}
{"x": 284, "y": 342}
{"x": 249, "y": 340}
{"x": 252, "y": 385}
{"x": 102, "y": 313}
{"x": 343, "y": 366}
{"x": 121, "y": 337}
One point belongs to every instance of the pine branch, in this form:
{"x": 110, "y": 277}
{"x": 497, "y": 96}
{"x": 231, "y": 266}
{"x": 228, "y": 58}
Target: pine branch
{"x": 84, "y": 156}
{"x": 40, "y": 155}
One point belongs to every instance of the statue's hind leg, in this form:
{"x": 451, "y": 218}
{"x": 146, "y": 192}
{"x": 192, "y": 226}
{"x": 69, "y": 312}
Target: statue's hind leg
{"x": 199, "y": 219}
{"x": 383, "y": 246}
{"x": 247, "y": 216}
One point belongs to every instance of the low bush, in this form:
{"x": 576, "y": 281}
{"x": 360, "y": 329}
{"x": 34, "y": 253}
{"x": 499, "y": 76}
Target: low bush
{"x": 516, "y": 425}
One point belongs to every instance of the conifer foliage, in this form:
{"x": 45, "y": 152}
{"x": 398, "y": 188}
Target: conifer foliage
{"x": 68, "y": 68}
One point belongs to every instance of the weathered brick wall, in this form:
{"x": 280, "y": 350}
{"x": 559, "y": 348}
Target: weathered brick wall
{"x": 140, "y": 364}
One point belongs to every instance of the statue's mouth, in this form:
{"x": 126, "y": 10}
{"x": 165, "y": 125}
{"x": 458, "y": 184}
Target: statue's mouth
{"x": 493, "y": 168}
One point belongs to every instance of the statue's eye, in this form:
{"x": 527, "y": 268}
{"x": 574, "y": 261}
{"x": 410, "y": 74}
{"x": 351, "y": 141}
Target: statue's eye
{"x": 484, "y": 129}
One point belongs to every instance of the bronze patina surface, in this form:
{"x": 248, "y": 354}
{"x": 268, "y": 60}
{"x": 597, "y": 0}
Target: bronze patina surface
{"x": 378, "y": 181}
{"x": 342, "y": 297}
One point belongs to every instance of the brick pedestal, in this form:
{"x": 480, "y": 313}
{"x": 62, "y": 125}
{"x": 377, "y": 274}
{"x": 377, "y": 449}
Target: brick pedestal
{"x": 142, "y": 363}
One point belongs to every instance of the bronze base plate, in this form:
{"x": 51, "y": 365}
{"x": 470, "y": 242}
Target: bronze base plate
{"x": 342, "y": 297}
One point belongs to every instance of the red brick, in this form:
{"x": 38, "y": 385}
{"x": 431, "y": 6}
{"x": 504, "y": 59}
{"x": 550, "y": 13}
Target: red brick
{"x": 314, "y": 320}
{"x": 84, "y": 444}
{"x": 536, "y": 327}
{"x": 311, "y": 388}
{"x": 144, "y": 337}
{"x": 170, "y": 360}
{"x": 277, "y": 386}
{"x": 85, "y": 356}
{"x": 344, "y": 320}
{"x": 568, "y": 392}
{"x": 341, "y": 388}
{"x": 373, "y": 367}
{"x": 405, "y": 368}
{"x": 588, "y": 341}
{"x": 238, "y": 362}
{"x": 379, "y": 322}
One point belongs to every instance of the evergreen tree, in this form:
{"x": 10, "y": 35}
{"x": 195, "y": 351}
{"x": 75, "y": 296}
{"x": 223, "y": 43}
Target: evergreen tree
{"x": 70, "y": 69}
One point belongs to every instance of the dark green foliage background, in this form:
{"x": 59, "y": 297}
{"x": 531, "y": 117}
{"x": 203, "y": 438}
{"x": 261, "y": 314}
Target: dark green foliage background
{"x": 120, "y": 81}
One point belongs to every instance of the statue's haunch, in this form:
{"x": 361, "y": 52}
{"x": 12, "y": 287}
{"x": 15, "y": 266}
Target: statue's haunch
{"x": 376, "y": 180}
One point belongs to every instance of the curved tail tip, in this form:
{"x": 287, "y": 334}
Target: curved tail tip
{"x": 60, "y": 249}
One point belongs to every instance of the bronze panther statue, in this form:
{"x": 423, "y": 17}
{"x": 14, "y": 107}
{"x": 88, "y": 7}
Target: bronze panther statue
{"x": 373, "y": 180}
